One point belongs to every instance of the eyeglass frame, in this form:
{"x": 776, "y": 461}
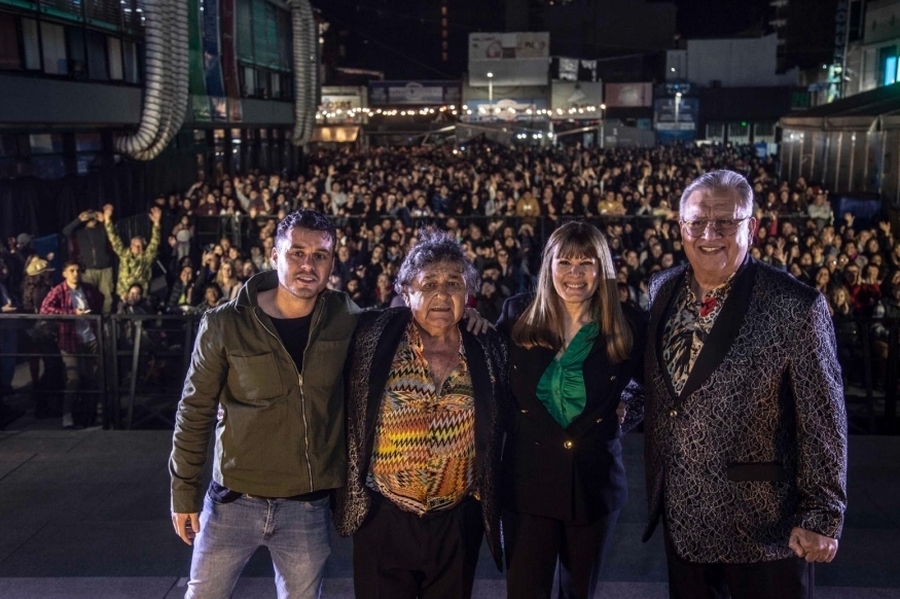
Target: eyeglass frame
{"x": 716, "y": 223}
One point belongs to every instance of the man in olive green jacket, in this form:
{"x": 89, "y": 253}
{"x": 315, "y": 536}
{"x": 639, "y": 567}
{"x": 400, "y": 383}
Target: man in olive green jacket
{"x": 267, "y": 372}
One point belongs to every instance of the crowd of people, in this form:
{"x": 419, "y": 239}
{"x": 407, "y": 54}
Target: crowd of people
{"x": 500, "y": 203}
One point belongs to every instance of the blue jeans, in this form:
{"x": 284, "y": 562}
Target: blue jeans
{"x": 295, "y": 532}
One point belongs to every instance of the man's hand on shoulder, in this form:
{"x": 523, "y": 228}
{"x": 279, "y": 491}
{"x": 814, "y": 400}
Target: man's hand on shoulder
{"x": 812, "y": 546}
{"x": 186, "y": 526}
{"x": 476, "y": 323}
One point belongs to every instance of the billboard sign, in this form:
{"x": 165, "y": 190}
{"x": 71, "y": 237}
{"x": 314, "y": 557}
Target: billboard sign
{"x": 629, "y": 95}
{"x": 414, "y": 93}
{"x": 509, "y": 46}
{"x": 577, "y": 100}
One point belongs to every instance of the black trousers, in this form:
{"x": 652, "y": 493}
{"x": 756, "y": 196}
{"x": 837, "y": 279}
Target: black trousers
{"x": 398, "y": 555}
{"x": 535, "y": 545}
{"x": 790, "y": 578}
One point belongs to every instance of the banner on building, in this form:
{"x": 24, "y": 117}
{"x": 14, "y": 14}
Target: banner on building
{"x": 414, "y": 93}
{"x": 584, "y": 98}
{"x": 509, "y": 46}
{"x": 675, "y": 118}
{"x": 629, "y": 95}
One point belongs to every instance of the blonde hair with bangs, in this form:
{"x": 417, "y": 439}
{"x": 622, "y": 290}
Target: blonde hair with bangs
{"x": 541, "y": 325}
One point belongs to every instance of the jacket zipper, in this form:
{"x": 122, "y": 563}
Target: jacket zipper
{"x": 300, "y": 382}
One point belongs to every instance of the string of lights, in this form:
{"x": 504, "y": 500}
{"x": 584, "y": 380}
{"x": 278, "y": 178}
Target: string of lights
{"x": 453, "y": 111}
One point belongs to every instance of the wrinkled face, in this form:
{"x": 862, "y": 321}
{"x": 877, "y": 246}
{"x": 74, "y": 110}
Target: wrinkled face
{"x": 304, "y": 260}
{"x": 715, "y": 255}
{"x": 437, "y": 296}
{"x": 575, "y": 278}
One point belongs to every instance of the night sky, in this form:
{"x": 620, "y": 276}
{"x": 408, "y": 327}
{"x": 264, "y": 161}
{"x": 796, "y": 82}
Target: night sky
{"x": 718, "y": 18}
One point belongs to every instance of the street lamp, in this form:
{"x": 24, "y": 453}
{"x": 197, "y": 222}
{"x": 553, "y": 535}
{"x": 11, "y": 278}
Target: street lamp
{"x": 602, "y": 126}
{"x": 677, "y": 108}
{"x": 490, "y": 77}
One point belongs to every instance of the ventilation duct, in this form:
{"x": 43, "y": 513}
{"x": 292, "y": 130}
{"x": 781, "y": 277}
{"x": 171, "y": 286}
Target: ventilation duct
{"x": 306, "y": 70}
{"x": 166, "y": 86}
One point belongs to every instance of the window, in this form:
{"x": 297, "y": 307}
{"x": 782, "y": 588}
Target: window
{"x": 53, "y": 42}
{"x": 96, "y": 51}
{"x": 890, "y": 70}
{"x": 88, "y": 142}
{"x": 276, "y": 86}
{"x": 46, "y": 143}
{"x": 30, "y": 44}
{"x": 130, "y": 62}
{"x": 114, "y": 52}
{"x": 262, "y": 84}
{"x": 75, "y": 45}
{"x": 10, "y": 57}
{"x": 249, "y": 82}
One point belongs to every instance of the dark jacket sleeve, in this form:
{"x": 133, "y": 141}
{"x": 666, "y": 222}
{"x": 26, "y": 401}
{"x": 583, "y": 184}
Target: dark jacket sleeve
{"x": 513, "y": 307}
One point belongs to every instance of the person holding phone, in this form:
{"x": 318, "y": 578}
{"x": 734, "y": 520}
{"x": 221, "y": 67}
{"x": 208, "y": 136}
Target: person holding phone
{"x": 77, "y": 338}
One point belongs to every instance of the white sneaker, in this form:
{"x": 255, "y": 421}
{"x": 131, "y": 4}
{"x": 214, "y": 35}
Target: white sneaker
{"x": 67, "y": 421}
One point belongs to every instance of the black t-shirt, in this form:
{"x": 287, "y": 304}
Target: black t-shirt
{"x": 294, "y": 333}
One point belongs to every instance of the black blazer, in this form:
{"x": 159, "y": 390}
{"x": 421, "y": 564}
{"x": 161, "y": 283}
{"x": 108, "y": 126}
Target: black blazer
{"x": 573, "y": 473}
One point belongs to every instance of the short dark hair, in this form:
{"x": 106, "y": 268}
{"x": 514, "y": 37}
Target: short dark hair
{"x": 306, "y": 219}
{"x": 69, "y": 263}
{"x": 434, "y": 246}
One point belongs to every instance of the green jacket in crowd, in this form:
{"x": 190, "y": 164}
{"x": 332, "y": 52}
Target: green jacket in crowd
{"x": 133, "y": 269}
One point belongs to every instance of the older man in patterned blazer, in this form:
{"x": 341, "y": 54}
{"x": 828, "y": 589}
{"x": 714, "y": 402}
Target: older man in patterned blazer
{"x": 745, "y": 421}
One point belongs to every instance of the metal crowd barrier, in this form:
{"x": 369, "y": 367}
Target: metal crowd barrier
{"x": 140, "y": 364}
{"x": 141, "y": 361}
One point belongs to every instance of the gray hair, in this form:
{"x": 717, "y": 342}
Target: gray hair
{"x": 719, "y": 182}
{"x": 433, "y": 247}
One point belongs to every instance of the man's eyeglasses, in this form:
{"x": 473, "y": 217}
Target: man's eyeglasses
{"x": 723, "y": 226}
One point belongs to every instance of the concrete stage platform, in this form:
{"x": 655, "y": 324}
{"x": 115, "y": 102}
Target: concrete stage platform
{"x": 84, "y": 514}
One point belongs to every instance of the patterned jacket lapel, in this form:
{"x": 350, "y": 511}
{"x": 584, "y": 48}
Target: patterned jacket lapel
{"x": 660, "y": 311}
{"x": 724, "y": 331}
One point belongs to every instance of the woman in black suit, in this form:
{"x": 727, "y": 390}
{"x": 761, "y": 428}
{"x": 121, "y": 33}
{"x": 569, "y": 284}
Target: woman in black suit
{"x": 572, "y": 353}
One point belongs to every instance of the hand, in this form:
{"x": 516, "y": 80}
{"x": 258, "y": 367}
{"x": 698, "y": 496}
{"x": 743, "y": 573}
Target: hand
{"x": 108, "y": 211}
{"x": 621, "y": 411}
{"x": 186, "y": 526}
{"x": 85, "y": 216}
{"x": 849, "y": 218}
{"x": 155, "y": 215}
{"x": 812, "y": 546}
{"x": 476, "y": 324}
{"x": 10, "y": 307}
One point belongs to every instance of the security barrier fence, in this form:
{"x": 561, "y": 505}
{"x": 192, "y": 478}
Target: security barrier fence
{"x": 136, "y": 371}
